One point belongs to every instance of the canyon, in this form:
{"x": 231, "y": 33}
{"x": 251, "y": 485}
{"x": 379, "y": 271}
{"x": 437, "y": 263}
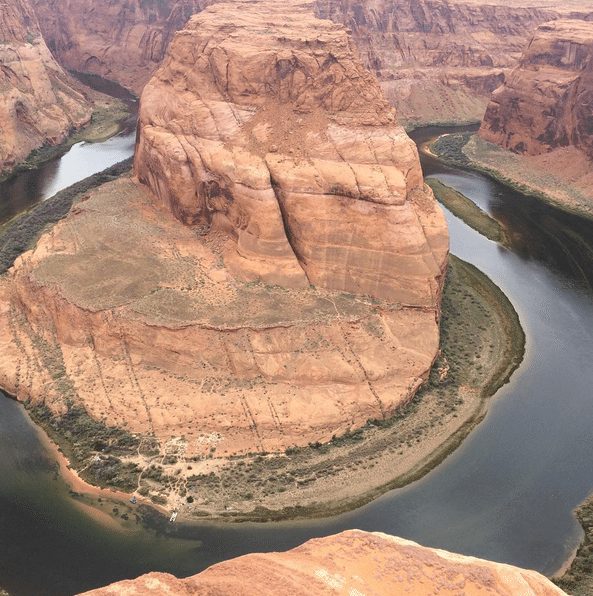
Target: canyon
{"x": 259, "y": 315}
{"x": 546, "y": 101}
{"x": 119, "y": 41}
{"x": 352, "y": 562}
{"x": 268, "y": 280}
{"x": 39, "y": 103}
{"x": 437, "y": 61}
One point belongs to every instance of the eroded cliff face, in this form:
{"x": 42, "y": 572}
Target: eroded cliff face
{"x": 352, "y": 562}
{"x": 279, "y": 136}
{"x": 39, "y": 103}
{"x": 120, "y": 41}
{"x": 440, "y": 61}
{"x": 277, "y": 282}
{"x": 547, "y": 101}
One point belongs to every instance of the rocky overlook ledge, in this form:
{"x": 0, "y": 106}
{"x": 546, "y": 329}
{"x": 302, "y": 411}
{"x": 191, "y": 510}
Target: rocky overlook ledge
{"x": 353, "y": 563}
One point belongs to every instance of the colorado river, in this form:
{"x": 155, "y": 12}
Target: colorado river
{"x": 506, "y": 494}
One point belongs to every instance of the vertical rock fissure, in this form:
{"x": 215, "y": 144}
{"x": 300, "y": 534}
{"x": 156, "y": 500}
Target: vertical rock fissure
{"x": 285, "y": 223}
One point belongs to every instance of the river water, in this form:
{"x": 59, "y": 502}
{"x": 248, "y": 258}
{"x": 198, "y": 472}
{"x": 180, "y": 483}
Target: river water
{"x": 506, "y": 494}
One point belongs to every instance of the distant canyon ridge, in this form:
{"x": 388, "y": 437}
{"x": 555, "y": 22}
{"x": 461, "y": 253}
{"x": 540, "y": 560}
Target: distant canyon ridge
{"x": 438, "y": 62}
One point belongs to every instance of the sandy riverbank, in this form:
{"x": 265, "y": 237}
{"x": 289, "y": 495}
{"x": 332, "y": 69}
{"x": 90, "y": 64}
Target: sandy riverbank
{"x": 327, "y": 479}
{"x": 563, "y": 178}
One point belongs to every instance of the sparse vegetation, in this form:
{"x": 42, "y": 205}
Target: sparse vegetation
{"x": 449, "y": 148}
{"x": 468, "y": 151}
{"x": 578, "y": 580}
{"x": 468, "y": 211}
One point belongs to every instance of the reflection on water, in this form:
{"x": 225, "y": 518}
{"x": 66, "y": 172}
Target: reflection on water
{"x": 507, "y": 494}
{"x": 83, "y": 160}
{"x": 24, "y": 190}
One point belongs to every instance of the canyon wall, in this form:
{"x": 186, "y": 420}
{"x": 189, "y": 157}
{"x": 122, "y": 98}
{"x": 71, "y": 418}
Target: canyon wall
{"x": 123, "y": 41}
{"x": 39, "y": 103}
{"x": 279, "y": 135}
{"x": 438, "y": 61}
{"x": 547, "y": 100}
{"x": 352, "y": 562}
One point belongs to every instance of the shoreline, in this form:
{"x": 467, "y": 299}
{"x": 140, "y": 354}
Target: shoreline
{"x": 466, "y": 210}
{"x": 79, "y": 487}
{"x": 569, "y": 575}
{"x": 457, "y": 157}
{"x": 413, "y": 460}
{"x": 109, "y": 117}
{"x": 575, "y": 575}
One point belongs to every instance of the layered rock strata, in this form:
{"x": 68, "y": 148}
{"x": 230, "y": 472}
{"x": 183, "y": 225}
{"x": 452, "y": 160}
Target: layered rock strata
{"x": 39, "y": 103}
{"x": 120, "y": 41}
{"x": 547, "y": 101}
{"x": 353, "y": 562}
{"x": 542, "y": 114}
{"x": 437, "y": 61}
{"x": 277, "y": 283}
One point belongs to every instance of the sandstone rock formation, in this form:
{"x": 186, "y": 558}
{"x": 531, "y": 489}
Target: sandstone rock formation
{"x": 277, "y": 134}
{"x": 39, "y": 103}
{"x": 295, "y": 294}
{"x": 352, "y": 562}
{"x": 120, "y": 41}
{"x": 547, "y": 101}
{"x": 543, "y": 116}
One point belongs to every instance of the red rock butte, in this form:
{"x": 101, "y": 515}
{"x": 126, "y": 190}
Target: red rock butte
{"x": 275, "y": 278}
{"x": 352, "y": 563}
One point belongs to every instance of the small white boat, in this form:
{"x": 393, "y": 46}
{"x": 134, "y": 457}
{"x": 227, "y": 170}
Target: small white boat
{"x": 173, "y": 517}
